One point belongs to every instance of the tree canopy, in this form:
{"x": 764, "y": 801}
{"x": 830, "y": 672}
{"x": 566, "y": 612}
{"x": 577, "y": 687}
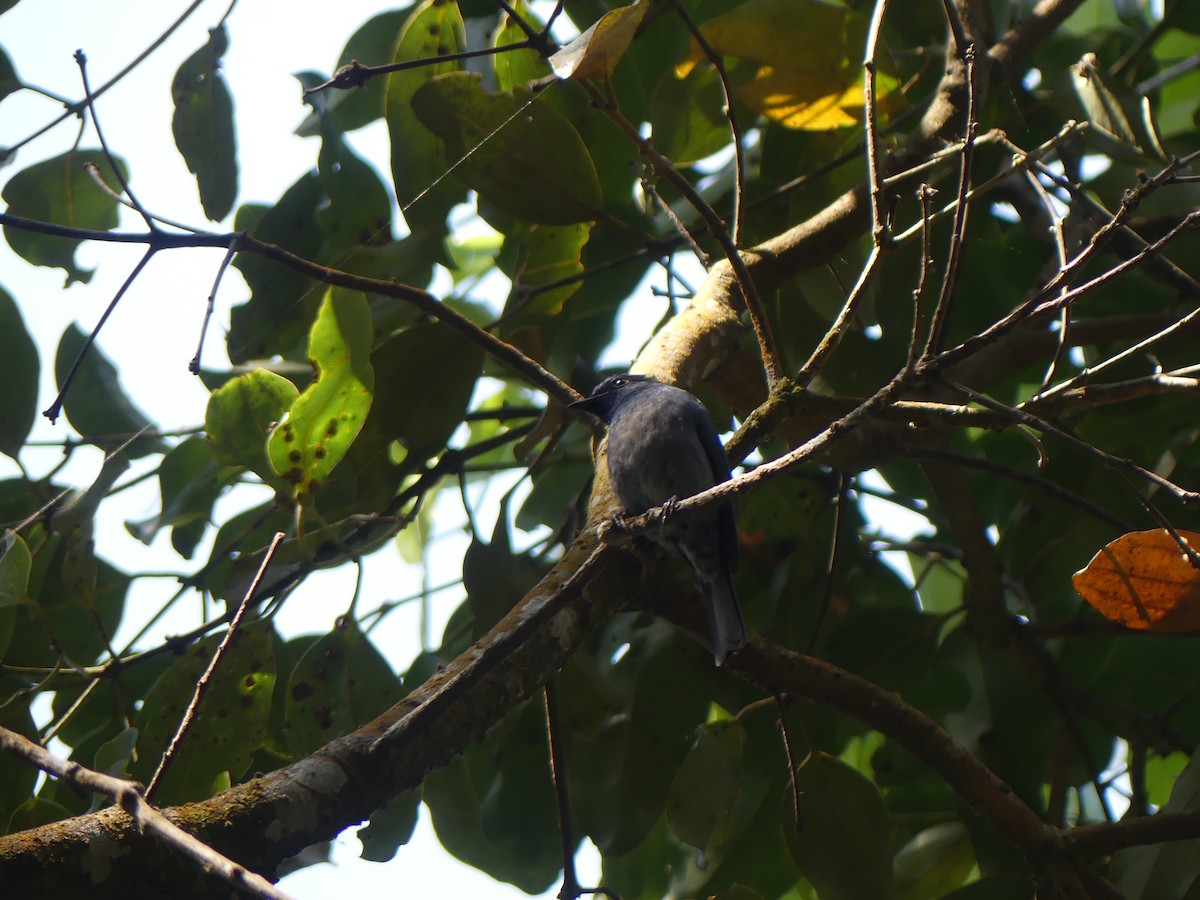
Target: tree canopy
{"x": 947, "y": 260}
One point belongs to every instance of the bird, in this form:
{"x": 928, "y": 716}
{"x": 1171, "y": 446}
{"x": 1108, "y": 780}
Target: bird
{"x": 663, "y": 446}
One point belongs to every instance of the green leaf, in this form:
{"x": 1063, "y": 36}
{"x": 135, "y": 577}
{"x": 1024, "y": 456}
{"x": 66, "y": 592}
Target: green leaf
{"x": 34, "y": 812}
{"x": 15, "y": 563}
{"x": 113, "y": 756}
{"x": 434, "y": 29}
{"x": 9, "y": 82}
{"x": 495, "y": 577}
{"x": 514, "y": 68}
{"x": 845, "y": 847}
{"x": 1167, "y": 869}
{"x": 371, "y": 44}
{"x": 632, "y": 723}
{"x": 229, "y": 725}
{"x": 18, "y": 400}
{"x": 325, "y": 419}
{"x": 203, "y": 125}
{"x": 96, "y": 404}
{"x": 341, "y": 682}
{"x": 359, "y": 211}
{"x": 190, "y": 480}
{"x": 493, "y": 807}
{"x": 686, "y": 116}
{"x": 390, "y": 828}
{"x": 282, "y": 304}
{"x": 241, "y": 414}
{"x": 70, "y": 618}
{"x": 61, "y": 191}
{"x": 701, "y": 799}
{"x": 547, "y": 255}
{"x": 424, "y": 378}
{"x": 936, "y": 858}
{"x": 513, "y": 144}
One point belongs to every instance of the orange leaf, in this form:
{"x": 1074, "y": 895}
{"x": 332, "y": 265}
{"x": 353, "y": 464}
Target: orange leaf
{"x": 1145, "y": 581}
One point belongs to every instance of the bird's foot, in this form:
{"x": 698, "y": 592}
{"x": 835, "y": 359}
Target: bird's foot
{"x": 614, "y": 531}
{"x": 663, "y": 514}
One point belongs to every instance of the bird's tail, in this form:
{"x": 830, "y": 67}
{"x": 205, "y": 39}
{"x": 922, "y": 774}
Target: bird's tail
{"x": 725, "y": 619}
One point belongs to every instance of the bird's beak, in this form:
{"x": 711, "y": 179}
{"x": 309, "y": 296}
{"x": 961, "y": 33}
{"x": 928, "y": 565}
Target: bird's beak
{"x": 587, "y": 405}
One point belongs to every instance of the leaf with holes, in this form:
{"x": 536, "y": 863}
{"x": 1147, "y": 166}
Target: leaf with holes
{"x": 418, "y": 157}
{"x": 340, "y": 682}
{"x": 326, "y": 418}
{"x": 1144, "y": 580}
{"x": 229, "y": 725}
{"x": 240, "y": 415}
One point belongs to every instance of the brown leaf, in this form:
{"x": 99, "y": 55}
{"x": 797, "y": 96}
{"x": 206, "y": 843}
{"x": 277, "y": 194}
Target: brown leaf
{"x": 1145, "y": 581}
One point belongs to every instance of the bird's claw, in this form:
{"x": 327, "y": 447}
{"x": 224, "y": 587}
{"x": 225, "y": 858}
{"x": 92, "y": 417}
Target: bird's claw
{"x": 614, "y": 531}
{"x": 663, "y": 514}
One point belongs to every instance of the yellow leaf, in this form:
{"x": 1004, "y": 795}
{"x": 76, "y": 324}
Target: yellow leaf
{"x": 1144, "y": 581}
{"x": 809, "y": 61}
{"x": 596, "y": 52}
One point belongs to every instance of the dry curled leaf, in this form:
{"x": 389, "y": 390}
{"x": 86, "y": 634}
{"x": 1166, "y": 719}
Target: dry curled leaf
{"x": 1144, "y": 580}
{"x": 596, "y": 52}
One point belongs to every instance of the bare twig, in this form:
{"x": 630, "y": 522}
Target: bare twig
{"x": 202, "y": 685}
{"x": 1107, "y": 459}
{"x": 739, "y": 152}
{"x": 128, "y": 795}
{"x": 51, "y": 412}
{"x": 76, "y": 108}
{"x": 767, "y": 346}
{"x": 508, "y": 355}
{"x": 89, "y": 99}
{"x": 941, "y": 311}
{"x": 879, "y": 226}
{"x": 194, "y": 365}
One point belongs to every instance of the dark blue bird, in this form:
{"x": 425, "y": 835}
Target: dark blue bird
{"x": 662, "y": 446}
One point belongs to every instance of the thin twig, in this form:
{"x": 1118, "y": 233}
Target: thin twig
{"x": 739, "y": 152}
{"x": 767, "y": 346}
{"x": 879, "y": 225}
{"x": 1107, "y": 459}
{"x": 924, "y": 193}
{"x": 129, "y": 796}
{"x": 89, "y": 99}
{"x": 202, "y": 685}
{"x": 194, "y": 365}
{"x": 51, "y": 412}
{"x": 76, "y": 108}
{"x": 506, "y": 354}
{"x": 354, "y": 74}
{"x": 941, "y": 311}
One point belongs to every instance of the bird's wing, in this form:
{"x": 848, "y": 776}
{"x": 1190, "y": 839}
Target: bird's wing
{"x": 727, "y": 512}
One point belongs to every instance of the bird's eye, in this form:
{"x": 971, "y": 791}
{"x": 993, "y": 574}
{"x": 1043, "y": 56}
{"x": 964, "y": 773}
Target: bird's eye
{"x": 620, "y": 382}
